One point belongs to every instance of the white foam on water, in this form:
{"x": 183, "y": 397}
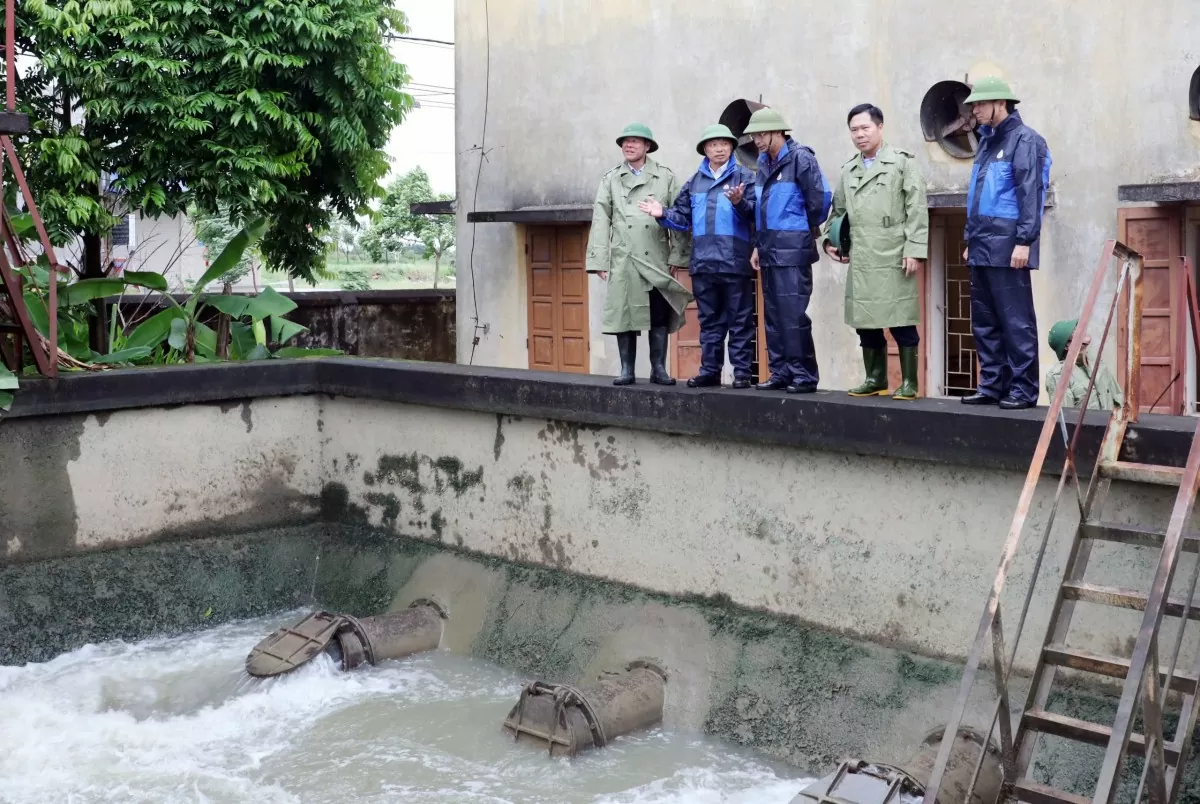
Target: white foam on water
{"x": 178, "y": 720}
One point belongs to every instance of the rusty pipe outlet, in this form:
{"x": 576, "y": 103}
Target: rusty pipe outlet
{"x": 351, "y": 641}
{"x": 567, "y": 720}
{"x": 859, "y": 782}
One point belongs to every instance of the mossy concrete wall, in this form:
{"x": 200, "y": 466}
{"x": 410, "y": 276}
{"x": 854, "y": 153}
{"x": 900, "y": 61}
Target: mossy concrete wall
{"x": 896, "y": 552}
{"x": 778, "y": 685}
{"x": 900, "y": 553}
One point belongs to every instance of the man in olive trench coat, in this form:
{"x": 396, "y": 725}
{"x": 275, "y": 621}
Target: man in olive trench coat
{"x": 882, "y": 194}
{"x": 637, "y": 257}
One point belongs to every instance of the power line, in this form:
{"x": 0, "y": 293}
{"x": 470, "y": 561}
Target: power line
{"x": 419, "y": 40}
{"x": 487, "y": 91}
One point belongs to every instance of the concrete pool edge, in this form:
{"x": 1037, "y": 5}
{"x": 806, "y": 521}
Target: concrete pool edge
{"x": 938, "y": 430}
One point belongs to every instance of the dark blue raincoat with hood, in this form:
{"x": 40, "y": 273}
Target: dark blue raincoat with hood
{"x": 791, "y": 200}
{"x": 1005, "y": 205}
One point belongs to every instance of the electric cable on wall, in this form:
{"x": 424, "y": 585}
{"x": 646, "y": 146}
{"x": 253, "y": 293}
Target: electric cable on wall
{"x": 487, "y": 84}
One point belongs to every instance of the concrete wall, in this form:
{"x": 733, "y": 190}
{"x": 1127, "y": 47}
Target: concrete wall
{"x": 401, "y": 324}
{"x": 83, "y": 482}
{"x": 407, "y": 325}
{"x": 788, "y": 690}
{"x": 894, "y": 552}
{"x": 1107, "y": 90}
{"x": 884, "y": 548}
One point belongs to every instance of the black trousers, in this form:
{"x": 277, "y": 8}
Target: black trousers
{"x": 873, "y": 338}
{"x": 660, "y": 310}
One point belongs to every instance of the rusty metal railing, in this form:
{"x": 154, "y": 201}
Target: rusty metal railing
{"x": 990, "y": 635}
{"x": 46, "y": 359}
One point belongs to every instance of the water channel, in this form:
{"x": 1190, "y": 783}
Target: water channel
{"x": 177, "y": 720}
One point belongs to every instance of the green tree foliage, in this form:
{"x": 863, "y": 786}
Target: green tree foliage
{"x": 276, "y": 109}
{"x": 396, "y": 223}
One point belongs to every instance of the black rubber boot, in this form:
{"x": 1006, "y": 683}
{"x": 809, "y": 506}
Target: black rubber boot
{"x": 658, "y": 357}
{"x": 627, "y": 349}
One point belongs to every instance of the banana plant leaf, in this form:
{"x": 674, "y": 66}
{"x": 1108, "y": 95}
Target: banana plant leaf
{"x": 154, "y": 330}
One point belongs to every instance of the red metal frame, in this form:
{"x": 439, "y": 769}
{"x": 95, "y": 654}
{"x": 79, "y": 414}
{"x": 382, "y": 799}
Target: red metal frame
{"x": 10, "y": 284}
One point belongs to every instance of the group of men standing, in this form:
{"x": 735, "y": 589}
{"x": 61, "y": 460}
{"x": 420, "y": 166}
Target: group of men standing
{"x": 726, "y": 223}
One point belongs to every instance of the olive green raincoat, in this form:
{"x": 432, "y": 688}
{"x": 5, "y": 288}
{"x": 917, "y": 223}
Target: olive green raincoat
{"x": 889, "y": 221}
{"x": 1106, "y": 393}
{"x": 635, "y": 250}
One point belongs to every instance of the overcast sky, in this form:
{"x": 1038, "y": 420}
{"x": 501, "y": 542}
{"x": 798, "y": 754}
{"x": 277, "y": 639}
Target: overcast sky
{"x": 426, "y": 137}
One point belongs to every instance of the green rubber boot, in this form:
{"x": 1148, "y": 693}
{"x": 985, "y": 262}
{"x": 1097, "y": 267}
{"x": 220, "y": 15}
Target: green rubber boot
{"x": 876, "y": 384}
{"x": 908, "y": 372}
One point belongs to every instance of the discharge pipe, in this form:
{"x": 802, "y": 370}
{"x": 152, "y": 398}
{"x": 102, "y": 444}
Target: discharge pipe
{"x": 350, "y": 641}
{"x": 568, "y": 720}
{"x": 859, "y": 782}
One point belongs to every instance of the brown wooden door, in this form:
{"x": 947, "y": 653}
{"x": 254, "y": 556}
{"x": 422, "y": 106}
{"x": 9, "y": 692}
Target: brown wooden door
{"x": 1155, "y": 233}
{"x": 558, "y": 299}
{"x": 685, "y": 349}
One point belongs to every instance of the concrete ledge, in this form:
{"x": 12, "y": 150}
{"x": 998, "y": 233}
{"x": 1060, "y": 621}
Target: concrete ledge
{"x": 122, "y": 389}
{"x": 1160, "y": 193}
{"x": 936, "y": 430}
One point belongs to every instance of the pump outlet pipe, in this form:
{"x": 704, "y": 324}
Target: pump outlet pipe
{"x": 566, "y": 719}
{"x": 859, "y": 782}
{"x": 350, "y": 641}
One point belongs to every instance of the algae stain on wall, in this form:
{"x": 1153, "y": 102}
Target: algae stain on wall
{"x": 406, "y": 492}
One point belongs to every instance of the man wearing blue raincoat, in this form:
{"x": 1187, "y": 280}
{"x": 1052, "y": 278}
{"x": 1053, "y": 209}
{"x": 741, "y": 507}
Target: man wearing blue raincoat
{"x": 1005, "y": 203}
{"x": 791, "y": 200}
{"x": 722, "y": 281}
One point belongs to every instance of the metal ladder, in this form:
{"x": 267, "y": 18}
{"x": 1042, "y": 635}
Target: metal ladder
{"x": 1147, "y": 679}
{"x": 1144, "y": 678}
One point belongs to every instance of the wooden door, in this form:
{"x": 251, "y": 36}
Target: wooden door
{"x": 558, "y": 299}
{"x": 685, "y": 344}
{"x": 1155, "y": 233}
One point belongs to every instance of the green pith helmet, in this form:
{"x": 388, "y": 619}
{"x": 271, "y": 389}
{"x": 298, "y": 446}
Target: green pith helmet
{"x": 991, "y": 88}
{"x": 717, "y": 132}
{"x": 1060, "y": 334}
{"x": 639, "y": 130}
{"x": 839, "y": 234}
{"x": 766, "y": 120}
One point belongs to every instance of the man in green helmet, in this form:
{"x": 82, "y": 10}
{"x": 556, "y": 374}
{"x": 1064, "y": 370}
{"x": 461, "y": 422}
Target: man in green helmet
{"x": 1106, "y": 393}
{"x": 720, "y": 268}
{"x": 1005, "y": 202}
{"x": 637, "y": 257}
{"x": 789, "y": 202}
{"x": 880, "y": 197}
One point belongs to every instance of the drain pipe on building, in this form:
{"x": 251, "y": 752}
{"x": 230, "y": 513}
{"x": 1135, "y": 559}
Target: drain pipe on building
{"x": 859, "y": 782}
{"x": 349, "y": 641}
{"x": 566, "y": 719}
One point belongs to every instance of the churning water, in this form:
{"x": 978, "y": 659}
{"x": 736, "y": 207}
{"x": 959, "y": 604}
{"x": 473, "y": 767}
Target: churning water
{"x": 177, "y": 720}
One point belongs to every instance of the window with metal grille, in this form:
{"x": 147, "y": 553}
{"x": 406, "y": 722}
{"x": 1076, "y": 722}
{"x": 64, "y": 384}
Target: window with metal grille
{"x": 962, "y": 365}
{"x": 120, "y": 232}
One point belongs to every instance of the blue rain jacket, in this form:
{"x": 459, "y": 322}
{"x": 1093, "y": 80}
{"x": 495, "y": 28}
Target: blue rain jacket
{"x": 790, "y": 202}
{"x": 1007, "y": 197}
{"x": 722, "y": 237}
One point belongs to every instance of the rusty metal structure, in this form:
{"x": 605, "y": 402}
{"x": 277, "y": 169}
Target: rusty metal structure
{"x": 19, "y": 330}
{"x": 1152, "y": 680}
